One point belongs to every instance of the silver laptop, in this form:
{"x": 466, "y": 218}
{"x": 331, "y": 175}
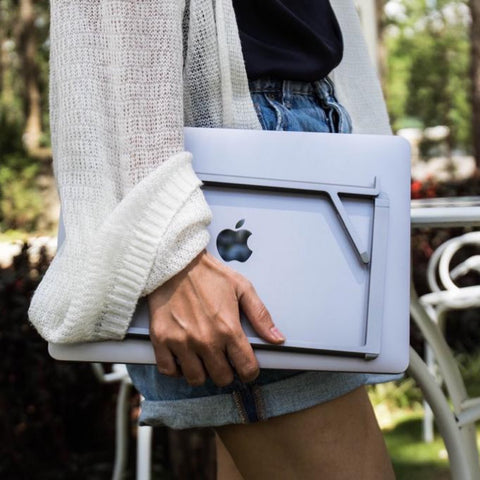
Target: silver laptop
{"x": 320, "y": 223}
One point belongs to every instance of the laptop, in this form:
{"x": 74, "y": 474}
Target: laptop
{"x": 320, "y": 223}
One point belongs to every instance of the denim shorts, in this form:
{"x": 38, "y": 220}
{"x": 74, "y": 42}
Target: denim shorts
{"x": 280, "y": 105}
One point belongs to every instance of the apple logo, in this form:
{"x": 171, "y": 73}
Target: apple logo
{"x": 232, "y": 245}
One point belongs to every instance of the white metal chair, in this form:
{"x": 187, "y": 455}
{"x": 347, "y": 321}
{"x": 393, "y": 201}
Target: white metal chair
{"x": 456, "y": 422}
{"x": 144, "y": 433}
{"x": 446, "y": 296}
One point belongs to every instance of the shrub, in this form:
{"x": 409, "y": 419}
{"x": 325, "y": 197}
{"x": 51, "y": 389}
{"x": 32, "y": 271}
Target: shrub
{"x": 56, "y": 420}
{"x": 20, "y": 202}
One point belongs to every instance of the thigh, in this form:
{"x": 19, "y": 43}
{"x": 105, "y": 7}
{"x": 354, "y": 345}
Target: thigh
{"x": 226, "y": 467}
{"x": 339, "y": 439}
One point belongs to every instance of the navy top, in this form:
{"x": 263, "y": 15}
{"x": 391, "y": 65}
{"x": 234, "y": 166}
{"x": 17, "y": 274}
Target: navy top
{"x": 288, "y": 39}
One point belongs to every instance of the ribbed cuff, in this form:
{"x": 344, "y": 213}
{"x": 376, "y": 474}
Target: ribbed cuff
{"x": 115, "y": 267}
{"x": 186, "y": 237}
{"x": 149, "y": 260}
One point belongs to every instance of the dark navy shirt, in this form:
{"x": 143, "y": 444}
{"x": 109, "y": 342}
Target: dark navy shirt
{"x": 288, "y": 39}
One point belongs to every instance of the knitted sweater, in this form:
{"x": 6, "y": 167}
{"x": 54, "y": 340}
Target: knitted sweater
{"x": 125, "y": 77}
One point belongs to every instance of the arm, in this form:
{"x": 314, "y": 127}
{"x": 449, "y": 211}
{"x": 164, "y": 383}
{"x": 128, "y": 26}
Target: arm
{"x": 124, "y": 180}
{"x": 133, "y": 210}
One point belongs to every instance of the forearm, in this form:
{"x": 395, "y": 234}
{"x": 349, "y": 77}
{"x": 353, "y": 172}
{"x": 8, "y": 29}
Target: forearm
{"x": 126, "y": 185}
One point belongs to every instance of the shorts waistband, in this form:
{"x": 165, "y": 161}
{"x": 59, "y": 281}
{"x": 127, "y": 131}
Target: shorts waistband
{"x": 270, "y": 84}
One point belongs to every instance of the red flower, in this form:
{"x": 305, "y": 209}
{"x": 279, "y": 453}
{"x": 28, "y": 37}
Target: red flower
{"x": 416, "y": 189}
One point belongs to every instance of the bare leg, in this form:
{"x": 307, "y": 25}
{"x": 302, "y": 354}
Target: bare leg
{"x": 226, "y": 468}
{"x": 338, "y": 440}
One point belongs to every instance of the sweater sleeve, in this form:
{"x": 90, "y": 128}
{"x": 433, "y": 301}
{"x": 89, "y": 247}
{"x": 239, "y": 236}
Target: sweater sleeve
{"x": 132, "y": 205}
{"x": 356, "y": 81}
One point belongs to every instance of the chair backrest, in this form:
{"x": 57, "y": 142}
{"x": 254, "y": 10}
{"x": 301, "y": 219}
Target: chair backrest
{"x": 441, "y": 258}
{"x": 446, "y": 296}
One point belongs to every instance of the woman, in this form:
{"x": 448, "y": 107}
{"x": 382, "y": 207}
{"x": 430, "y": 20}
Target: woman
{"x": 125, "y": 78}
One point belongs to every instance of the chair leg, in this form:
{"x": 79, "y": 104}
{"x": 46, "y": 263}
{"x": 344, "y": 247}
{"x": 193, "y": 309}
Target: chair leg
{"x": 460, "y": 466}
{"x": 144, "y": 452}
{"x": 469, "y": 436}
{"x": 121, "y": 437}
{"x": 428, "y": 414}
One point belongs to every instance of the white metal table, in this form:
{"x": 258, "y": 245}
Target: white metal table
{"x": 456, "y": 415}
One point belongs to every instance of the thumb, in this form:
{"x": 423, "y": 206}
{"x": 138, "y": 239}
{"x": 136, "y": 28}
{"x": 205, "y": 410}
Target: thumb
{"x": 257, "y": 313}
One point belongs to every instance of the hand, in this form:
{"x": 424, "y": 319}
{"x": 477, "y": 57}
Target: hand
{"x": 195, "y": 321}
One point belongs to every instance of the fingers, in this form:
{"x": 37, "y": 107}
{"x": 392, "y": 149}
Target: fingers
{"x": 177, "y": 362}
{"x": 178, "y": 354}
{"x": 218, "y": 368}
{"x": 166, "y": 364}
{"x": 214, "y": 363}
{"x": 243, "y": 359}
{"x": 257, "y": 313}
{"x": 192, "y": 368}
{"x": 208, "y": 360}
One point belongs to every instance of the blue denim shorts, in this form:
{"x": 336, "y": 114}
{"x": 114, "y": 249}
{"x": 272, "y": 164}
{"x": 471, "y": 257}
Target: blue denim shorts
{"x": 280, "y": 105}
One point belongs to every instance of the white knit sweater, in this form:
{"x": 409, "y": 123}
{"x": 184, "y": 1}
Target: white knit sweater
{"x": 125, "y": 77}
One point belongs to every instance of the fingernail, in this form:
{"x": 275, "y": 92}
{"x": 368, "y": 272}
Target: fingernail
{"x": 276, "y": 333}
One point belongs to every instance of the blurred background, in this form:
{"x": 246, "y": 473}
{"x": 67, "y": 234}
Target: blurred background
{"x": 57, "y": 420}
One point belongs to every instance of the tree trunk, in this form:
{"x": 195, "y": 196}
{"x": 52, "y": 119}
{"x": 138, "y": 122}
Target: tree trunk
{"x": 475, "y": 76}
{"x": 3, "y": 53}
{"x": 27, "y": 48}
{"x": 381, "y": 48}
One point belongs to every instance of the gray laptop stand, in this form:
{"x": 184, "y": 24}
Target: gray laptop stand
{"x": 375, "y": 263}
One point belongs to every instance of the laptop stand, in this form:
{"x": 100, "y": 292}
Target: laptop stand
{"x": 374, "y": 260}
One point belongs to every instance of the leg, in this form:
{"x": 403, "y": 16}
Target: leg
{"x": 338, "y": 440}
{"x": 226, "y": 468}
